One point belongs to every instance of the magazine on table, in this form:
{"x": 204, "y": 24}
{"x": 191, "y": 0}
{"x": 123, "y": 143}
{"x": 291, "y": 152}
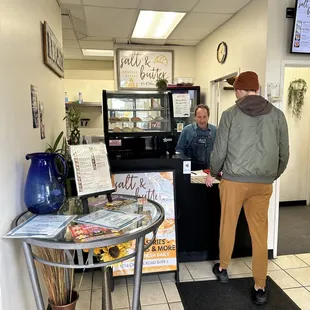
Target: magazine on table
{"x": 88, "y": 232}
{"x": 111, "y": 219}
{"x": 41, "y": 226}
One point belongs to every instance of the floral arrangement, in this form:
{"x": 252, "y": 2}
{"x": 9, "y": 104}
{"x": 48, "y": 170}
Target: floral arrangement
{"x": 112, "y": 252}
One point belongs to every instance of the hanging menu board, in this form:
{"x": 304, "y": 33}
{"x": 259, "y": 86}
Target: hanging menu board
{"x": 91, "y": 168}
{"x": 141, "y": 69}
{"x": 161, "y": 256}
{"x": 301, "y": 31}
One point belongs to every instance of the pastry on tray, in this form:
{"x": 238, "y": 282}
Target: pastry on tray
{"x": 136, "y": 119}
{"x": 114, "y": 119}
{"x": 125, "y": 119}
{"x": 127, "y": 129}
{"x": 137, "y": 129}
{"x": 159, "y": 118}
{"x": 117, "y": 129}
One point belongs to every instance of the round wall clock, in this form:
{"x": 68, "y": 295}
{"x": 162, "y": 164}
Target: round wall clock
{"x": 221, "y": 53}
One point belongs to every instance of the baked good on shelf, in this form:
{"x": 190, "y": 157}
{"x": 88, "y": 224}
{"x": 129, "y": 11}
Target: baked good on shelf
{"x": 136, "y": 119}
{"x": 137, "y": 129}
{"x": 114, "y": 119}
{"x": 125, "y": 119}
{"x": 159, "y": 118}
{"x": 117, "y": 129}
{"x": 127, "y": 129}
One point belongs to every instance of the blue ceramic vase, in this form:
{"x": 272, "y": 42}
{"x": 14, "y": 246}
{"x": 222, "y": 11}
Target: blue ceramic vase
{"x": 44, "y": 189}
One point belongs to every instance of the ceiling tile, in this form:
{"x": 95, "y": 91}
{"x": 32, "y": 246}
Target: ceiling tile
{"x": 196, "y": 26}
{"x": 106, "y": 21}
{"x": 168, "y": 5}
{"x": 68, "y": 34}
{"x": 70, "y": 1}
{"x": 182, "y": 42}
{"x": 220, "y": 6}
{"x": 66, "y": 22}
{"x": 70, "y": 44}
{"x": 148, "y": 41}
{"x": 96, "y": 38}
{"x": 75, "y": 10}
{"x": 80, "y": 35}
{"x": 123, "y": 4}
{"x": 97, "y": 44}
{"x": 79, "y": 25}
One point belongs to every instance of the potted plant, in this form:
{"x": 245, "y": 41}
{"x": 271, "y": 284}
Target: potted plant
{"x": 161, "y": 85}
{"x": 61, "y": 295}
{"x": 74, "y": 118}
{"x": 64, "y": 151}
{"x": 296, "y": 95}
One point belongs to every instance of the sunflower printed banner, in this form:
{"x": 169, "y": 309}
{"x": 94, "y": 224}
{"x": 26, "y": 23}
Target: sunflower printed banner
{"x": 159, "y": 187}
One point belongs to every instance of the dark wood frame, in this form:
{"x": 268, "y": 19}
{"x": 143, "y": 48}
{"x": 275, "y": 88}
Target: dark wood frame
{"x": 55, "y": 65}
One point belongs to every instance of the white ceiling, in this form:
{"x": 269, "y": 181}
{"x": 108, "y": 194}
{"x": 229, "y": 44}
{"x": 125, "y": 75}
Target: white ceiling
{"x": 98, "y": 24}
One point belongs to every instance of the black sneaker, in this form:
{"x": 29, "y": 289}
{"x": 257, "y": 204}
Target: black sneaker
{"x": 259, "y": 297}
{"x": 222, "y": 276}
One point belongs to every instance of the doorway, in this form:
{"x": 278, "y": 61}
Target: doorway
{"x": 222, "y": 96}
{"x": 294, "y": 193}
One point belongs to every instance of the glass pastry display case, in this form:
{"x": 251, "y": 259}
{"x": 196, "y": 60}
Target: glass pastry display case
{"x": 137, "y": 123}
{"x": 134, "y": 112}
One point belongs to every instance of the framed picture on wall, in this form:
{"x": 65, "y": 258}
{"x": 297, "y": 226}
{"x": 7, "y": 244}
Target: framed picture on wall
{"x": 140, "y": 69}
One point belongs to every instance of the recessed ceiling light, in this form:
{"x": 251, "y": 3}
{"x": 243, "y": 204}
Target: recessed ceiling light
{"x": 90, "y": 52}
{"x": 155, "y": 24}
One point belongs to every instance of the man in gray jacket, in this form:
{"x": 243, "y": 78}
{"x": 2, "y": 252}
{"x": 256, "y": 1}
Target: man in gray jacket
{"x": 252, "y": 150}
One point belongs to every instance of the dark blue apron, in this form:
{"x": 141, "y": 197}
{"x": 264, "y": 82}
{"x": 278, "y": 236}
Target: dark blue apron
{"x": 202, "y": 146}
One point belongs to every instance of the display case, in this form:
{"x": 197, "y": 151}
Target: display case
{"x": 137, "y": 113}
{"x": 138, "y": 123}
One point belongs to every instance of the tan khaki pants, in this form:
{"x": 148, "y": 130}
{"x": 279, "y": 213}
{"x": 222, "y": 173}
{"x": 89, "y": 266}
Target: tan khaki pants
{"x": 254, "y": 197}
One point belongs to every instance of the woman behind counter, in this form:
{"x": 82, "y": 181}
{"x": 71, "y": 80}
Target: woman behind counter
{"x": 196, "y": 140}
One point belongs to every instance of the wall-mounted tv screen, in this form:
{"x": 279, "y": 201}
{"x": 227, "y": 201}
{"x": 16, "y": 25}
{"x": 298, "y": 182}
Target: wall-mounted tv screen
{"x": 300, "y": 42}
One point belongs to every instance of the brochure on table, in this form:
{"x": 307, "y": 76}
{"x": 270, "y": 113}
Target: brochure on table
{"x": 161, "y": 256}
{"x": 91, "y": 168}
{"x": 41, "y": 226}
{"x": 111, "y": 219}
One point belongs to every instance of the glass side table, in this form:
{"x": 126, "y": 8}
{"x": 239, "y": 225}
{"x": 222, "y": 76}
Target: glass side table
{"x": 137, "y": 231}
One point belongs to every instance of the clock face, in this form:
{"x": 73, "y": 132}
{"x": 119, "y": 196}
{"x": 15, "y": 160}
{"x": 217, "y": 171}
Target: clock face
{"x": 221, "y": 52}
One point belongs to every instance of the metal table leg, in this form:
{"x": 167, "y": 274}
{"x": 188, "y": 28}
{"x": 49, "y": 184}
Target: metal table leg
{"x": 106, "y": 289}
{"x": 138, "y": 274}
{"x": 33, "y": 276}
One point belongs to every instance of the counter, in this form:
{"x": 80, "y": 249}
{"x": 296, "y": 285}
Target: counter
{"x": 198, "y": 211}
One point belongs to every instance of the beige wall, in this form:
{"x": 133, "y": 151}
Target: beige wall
{"x": 294, "y": 183}
{"x": 245, "y": 35}
{"x": 21, "y": 65}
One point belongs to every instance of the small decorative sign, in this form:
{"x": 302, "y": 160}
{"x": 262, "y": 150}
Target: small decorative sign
{"x": 52, "y": 51}
{"x": 138, "y": 69}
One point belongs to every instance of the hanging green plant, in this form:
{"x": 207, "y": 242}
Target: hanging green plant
{"x": 296, "y": 96}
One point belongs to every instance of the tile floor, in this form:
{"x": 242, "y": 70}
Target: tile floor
{"x": 290, "y": 272}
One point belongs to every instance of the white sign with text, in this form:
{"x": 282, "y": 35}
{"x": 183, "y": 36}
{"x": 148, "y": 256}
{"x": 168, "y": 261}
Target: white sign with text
{"x": 141, "y": 69}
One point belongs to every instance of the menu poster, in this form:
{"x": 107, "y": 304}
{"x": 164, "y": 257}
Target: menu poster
{"x": 141, "y": 69}
{"x": 156, "y": 186}
{"x": 181, "y": 105}
{"x": 41, "y": 226}
{"x": 91, "y": 168}
{"x": 301, "y": 32}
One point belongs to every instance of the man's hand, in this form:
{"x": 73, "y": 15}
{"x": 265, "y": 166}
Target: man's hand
{"x": 209, "y": 180}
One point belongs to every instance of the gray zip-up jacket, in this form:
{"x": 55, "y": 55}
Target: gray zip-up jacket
{"x": 251, "y": 143}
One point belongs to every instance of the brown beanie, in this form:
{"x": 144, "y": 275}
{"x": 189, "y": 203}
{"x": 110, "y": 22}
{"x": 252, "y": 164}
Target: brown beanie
{"x": 247, "y": 80}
